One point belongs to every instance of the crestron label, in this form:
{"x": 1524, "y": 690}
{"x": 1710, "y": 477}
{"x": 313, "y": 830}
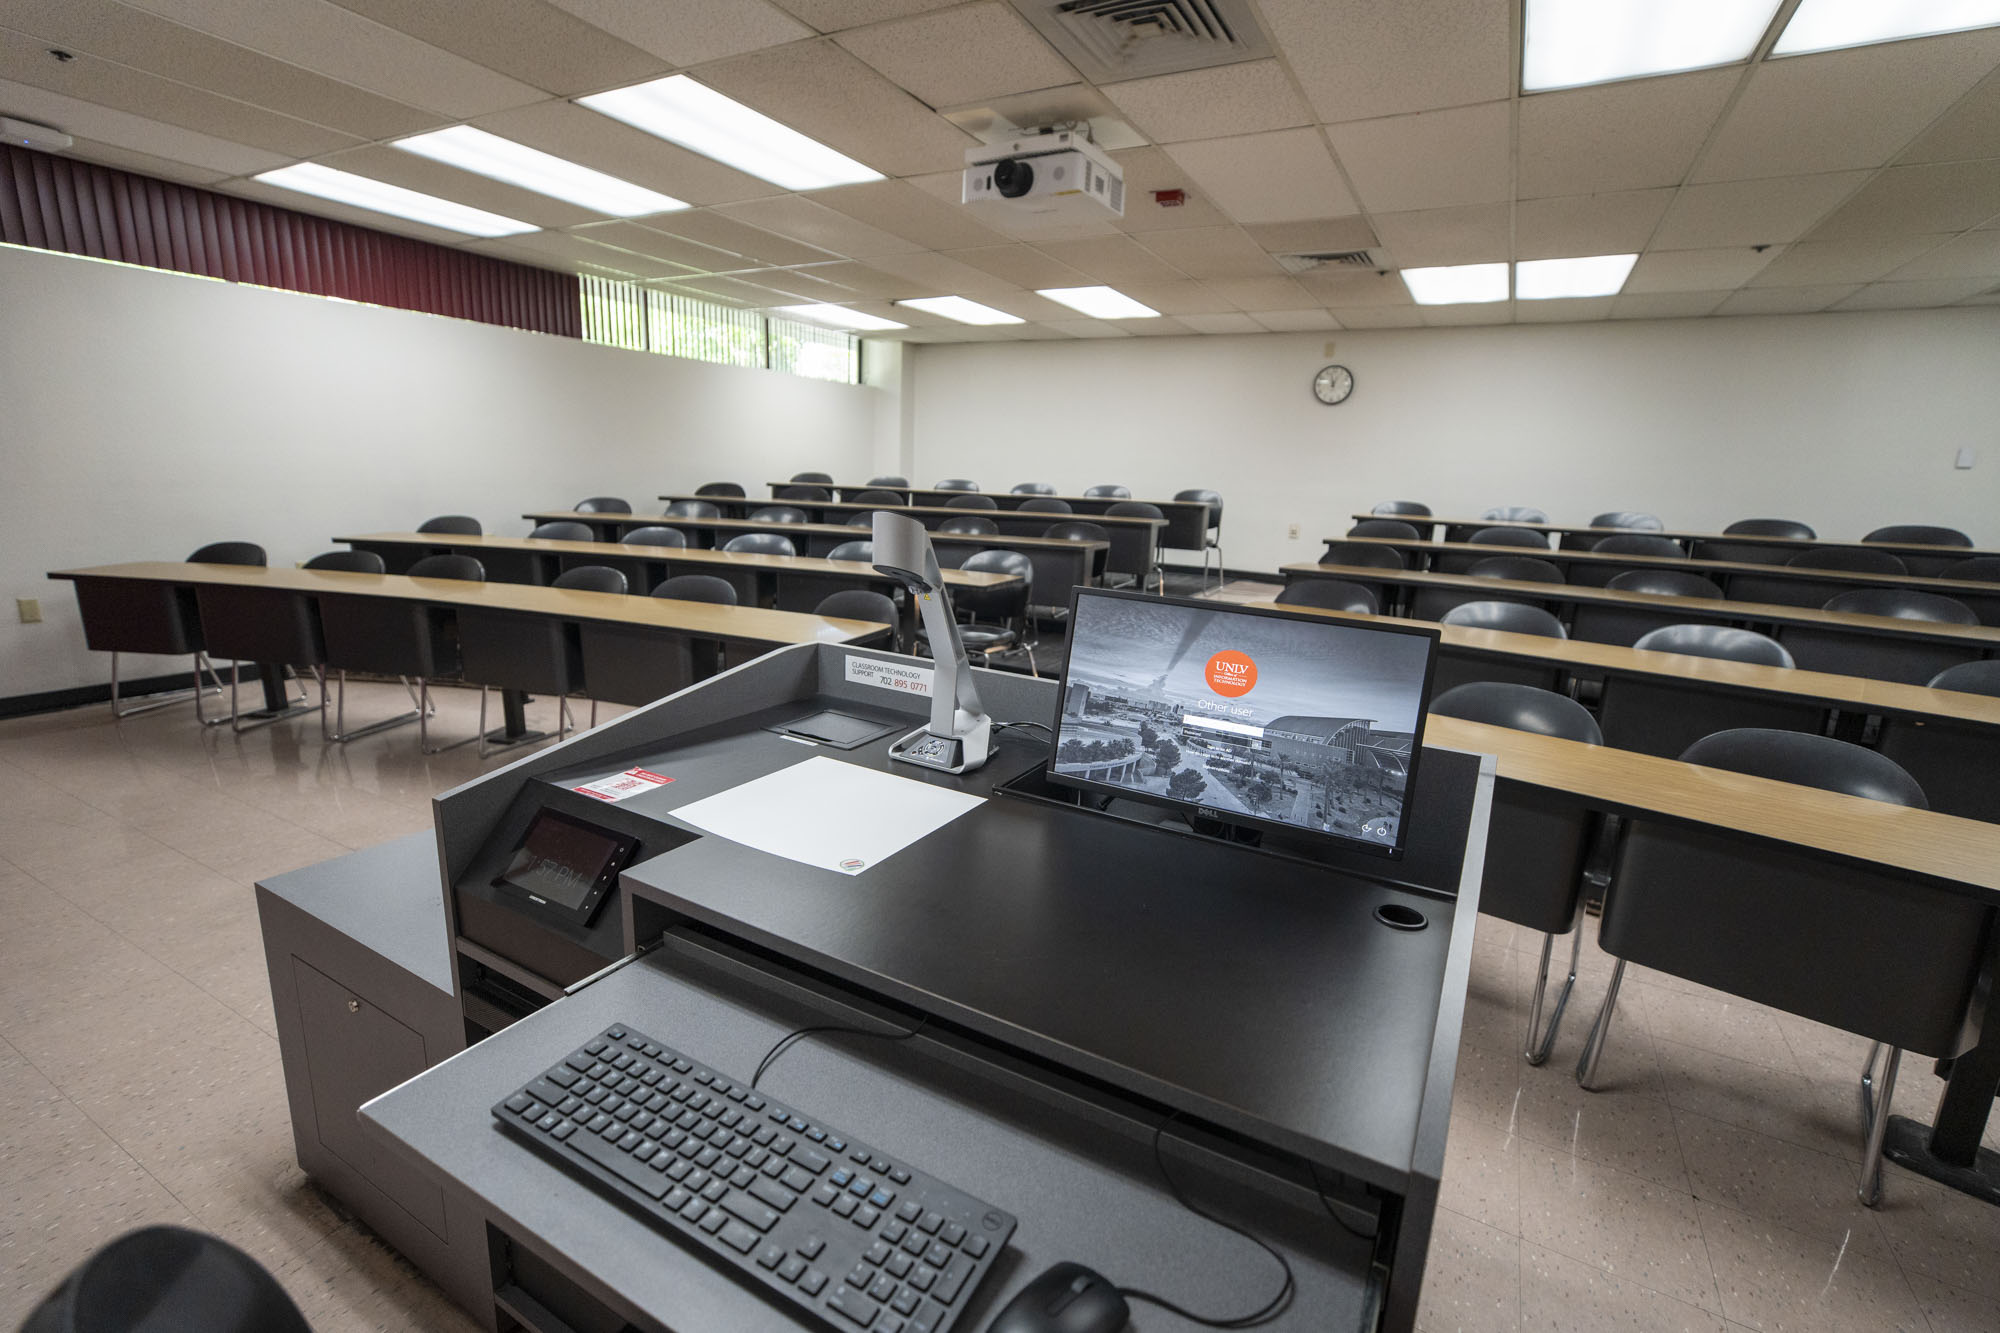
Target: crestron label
{"x": 1231, "y": 674}
{"x": 623, "y": 786}
{"x": 889, "y": 675}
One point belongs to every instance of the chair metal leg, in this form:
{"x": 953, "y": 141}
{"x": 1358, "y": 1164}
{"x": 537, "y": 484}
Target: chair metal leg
{"x": 425, "y": 710}
{"x": 155, "y": 702}
{"x": 1600, "y": 1031}
{"x": 340, "y": 735}
{"x": 1538, "y": 1048}
{"x": 1875, "y": 1120}
{"x": 201, "y": 662}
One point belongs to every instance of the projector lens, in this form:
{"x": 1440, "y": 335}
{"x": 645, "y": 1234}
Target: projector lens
{"x": 1013, "y": 178}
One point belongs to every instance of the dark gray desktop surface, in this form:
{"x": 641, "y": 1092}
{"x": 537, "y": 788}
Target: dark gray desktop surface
{"x": 366, "y": 896}
{"x": 1080, "y": 1179}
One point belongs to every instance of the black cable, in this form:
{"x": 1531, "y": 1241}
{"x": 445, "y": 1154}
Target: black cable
{"x": 1269, "y": 1311}
{"x": 785, "y": 1042}
{"x": 1326, "y": 1203}
{"x": 1038, "y": 726}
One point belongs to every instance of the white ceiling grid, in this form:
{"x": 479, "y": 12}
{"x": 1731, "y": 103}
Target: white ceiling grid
{"x": 1849, "y": 180}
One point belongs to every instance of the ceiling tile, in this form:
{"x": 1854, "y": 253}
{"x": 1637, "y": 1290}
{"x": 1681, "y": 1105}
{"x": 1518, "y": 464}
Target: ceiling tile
{"x": 863, "y": 279}
{"x": 1783, "y": 300}
{"x": 1434, "y": 159}
{"x": 1150, "y": 169}
{"x": 1475, "y": 235}
{"x": 961, "y": 55}
{"x": 1975, "y": 254}
{"x": 1089, "y": 328}
{"x": 1913, "y": 295}
{"x": 1450, "y": 316}
{"x": 1345, "y": 288}
{"x": 324, "y": 37}
{"x": 1164, "y": 327}
{"x": 435, "y": 178}
{"x": 1244, "y": 98}
{"x": 1039, "y": 332}
{"x": 1970, "y": 129}
{"x": 536, "y": 256}
{"x": 570, "y": 131}
{"x": 1563, "y": 310}
{"x": 1261, "y": 294}
{"x": 821, "y": 90}
{"x": 1230, "y": 323}
{"x": 798, "y": 217}
{"x": 1760, "y": 212}
{"x": 1991, "y": 297}
{"x": 941, "y": 275}
{"x": 1696, "y": 270}
{"x": 730, "y": 291}
{"x": 1281, "y": 176}
{"x": 25, "y": 59}
{"x": 1112, "y": 259}
{"x": 1664, "y": 305}
{"x": 1855, "y": 108}
{"x": 1178, "y": 298}
{"x": 1620, "y": 136}
{"x": 1295, "y": 321}
{"x": 833, "y": 15}
{"x": 1379, "y": 317}
{"x": 123, "y": 130}
{"x": 681, "y": 256}
{"x": 1023, "y": 266}
{"x": 1361, "y": 58}
{"x": 1937, "y": 197}
{"x": 736, "y": 237}
{"x": 1824, "y": 263}
{"x": 523, "y": 39}
{"x": 903, "y": 209}
{"x": 1212, "y": 252}
{"x": 125, "y": 159}
{"x": 579, "y": 248}
{"x": 688, "y": 32}
{"x": 1587, "y": 224}
{"x": 1323, "y": 235}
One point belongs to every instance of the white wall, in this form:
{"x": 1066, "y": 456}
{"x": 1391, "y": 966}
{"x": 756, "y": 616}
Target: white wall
{"x": 144, "y": 414}
{"x": 1847, "y": 421}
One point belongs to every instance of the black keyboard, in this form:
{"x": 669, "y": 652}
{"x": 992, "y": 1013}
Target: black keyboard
{"x": 859, "y": 1239}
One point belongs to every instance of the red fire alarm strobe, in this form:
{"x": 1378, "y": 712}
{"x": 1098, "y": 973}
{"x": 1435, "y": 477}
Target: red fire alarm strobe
{"x": 1170, "y": 198}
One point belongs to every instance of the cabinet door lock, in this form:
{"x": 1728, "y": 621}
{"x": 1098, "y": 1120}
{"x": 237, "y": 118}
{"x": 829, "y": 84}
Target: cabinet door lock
{"x": 353, "y": 1005}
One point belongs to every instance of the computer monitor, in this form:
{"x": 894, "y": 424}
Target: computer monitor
{"x": 1268, "y": 720}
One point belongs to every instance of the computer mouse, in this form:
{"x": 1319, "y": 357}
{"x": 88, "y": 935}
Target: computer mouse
{"x": 1067, "y": 1298}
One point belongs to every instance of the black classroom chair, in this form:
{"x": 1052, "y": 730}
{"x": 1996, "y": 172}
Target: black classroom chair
{"x": 858, "y": 604}
{"x": 1081, "y": 531}
{"x": 1916, "y": 534}
{"x": 1661, "y": 715}
{"x": 1141, "y": 509}
{"x": 727, "y": 490}
{"x": 1456, "y": 666}
{"x": 761, "y": 543}
{"x": 1108, "y": 492}
{"x": 956, "y": 484}
{"x": 971, "y": 500}
{"x": 1460, "y": 562}
{"x": 533, "y": 654}
{"x": 697, "y": 588}
{"x": 900, "y": 483}
{"x": 1032, "y": 488}
{"x": 459, "y": 525}
{"x": 972, "y": 525}
{"x": 819, "y": 478}
{"x": 876, "y": 498}
{"x": 1953, "y": 762}
{"x": 804, "y": 494}
{"x": 1980, "y": 568}
{"x": 164, "y": 1279}
{"x": 603, "y": 504}
{"x": 655, "y": 536}
{"x": 1402, "y": 507}
{"x": 1666, "y": 583}
{"x": 987, "y": 629}
{"x": 277, "y": 626}
{"x": 1882, "y": 657}
{"x": 348, "y": 562}
{"x": 1212, "y": 536}
{"x": 1756, "y": 553}
{"x": 1850, "y": 559}
{"x": 866, "y": 520}
{"x": 1593, "y": 573}
{"x": 1329, "y": 595}
{"x": 1632, "y": 520}
{"x": 777, "y": 514}
{"x": 385, "y": 636}
{"x": 1513, "y": 514}
{"x": 1383, "y": 527}
{"x": 1432, "y": 603}
{"x": 564, "y": 532}
{"x": 692, "y": 509}
{"x": 1044, "y": 504}
{"x": 862, "y": 551}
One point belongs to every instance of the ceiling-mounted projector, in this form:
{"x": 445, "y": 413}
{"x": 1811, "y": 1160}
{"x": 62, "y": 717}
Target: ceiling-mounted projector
{"x": 1058, "y": 173}
{"x": 30, "y": 135}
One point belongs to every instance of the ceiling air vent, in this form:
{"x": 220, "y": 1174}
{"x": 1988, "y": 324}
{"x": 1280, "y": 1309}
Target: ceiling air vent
{"x": 1306, "y": 263}
{"x": 1109, "y": 40}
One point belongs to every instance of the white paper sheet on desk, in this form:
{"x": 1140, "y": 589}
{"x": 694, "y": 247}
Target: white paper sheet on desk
{"x": 830, "y": 814}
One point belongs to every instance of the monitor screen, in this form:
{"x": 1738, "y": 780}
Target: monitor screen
{"x": 565, "y": 861}
{"x": 1268, "y": 719}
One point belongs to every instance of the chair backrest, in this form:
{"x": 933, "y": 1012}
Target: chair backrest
{"x": 1525, "y": 568}
{"x": 1203, "y": 496}
{"x": 1044, "y": 504}
{"x": 971, "y": 500}
{"x": 1032, "y": 488}
{"x": 1402, "y": 507}
{"x": 162, "y": 1278}
{"x": 692, "y": 509}
{"x": 1135, "y": 509}
{"x": 809, "y": 494}
{"x": 1850, "y": 559}
{"x": 603, "y": 504}
{"x": 1665, "y": 583}
{"x": 1527, "y": 538}
{"x": 654, "y": 536}
{"x": 591, "y": 578}
{"x": 761, "y": 543}
{"x": 866, "y": 520}
{"x": 1512, "y": 617}
{"x": 1632, "y": 520}
{"x": 1984, "y": 568}
{"x": 877, "y": 498}
{"x": 820, "y": 477}
{"x": 956, "y": 484}
{"x": 858, "y": 604}
{"x": 1383, "y": 527}
{"x": 1902, "y": 604}
{"x": 1108, "y": 492}
{"x": 1356, "y": 553}
{"x": 1770, "y": 527}
{"x": 564, "y": 532}
{"x": 459, "y": 525}
{"x": 1002, "y": 602}
{"x": 862, "y": 551}
{"x": 462, "y": 567}
{"x": 1807, "y": 760}
{"x": 727, "y": 489}
{"x": 1970, "y": 677}
{"x": 1920, "y": 534}
{"x": 888, "y": 481}
{"x": 972, "y": 525}
{"x": 697, "y": 588}
{"x": 1515, "y": 514}
{"x": 1077, "y": 531}
{"x": 1723, "y": 641}
{"x": 228, "y": 553}
{"x": 1520, "y": 708}
{"x": 1638, "y": 543}
{"x": 355, "y": 562}
{"x": 777, "y": 514}
{"x": 1329, "y": 595}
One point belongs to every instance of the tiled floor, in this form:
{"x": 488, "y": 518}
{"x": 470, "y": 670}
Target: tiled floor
{"x": 1709, "y": 1186}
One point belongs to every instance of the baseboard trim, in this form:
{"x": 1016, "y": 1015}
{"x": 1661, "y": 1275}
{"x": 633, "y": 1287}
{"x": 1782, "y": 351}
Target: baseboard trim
{"x": 54, "y": 701}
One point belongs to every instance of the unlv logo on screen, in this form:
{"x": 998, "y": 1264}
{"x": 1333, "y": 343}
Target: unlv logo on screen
{"x": 1231, "y": 674}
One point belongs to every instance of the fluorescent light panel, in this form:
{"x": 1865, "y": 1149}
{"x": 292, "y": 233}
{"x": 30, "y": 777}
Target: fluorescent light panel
{"x": 1458, "y": 284}
{"x": 702, "y": 120}
{"x": 1099, "y": 302}
{"x": 517, "y": 164}
{"x": 838, "y": 315}
{"x": 1826, "y": 25}
{"x": 1552, "y": 279}
{"x": 962, "y": 310}
{"x": 1570, "y": 43}
{"x": 344, "y": 187}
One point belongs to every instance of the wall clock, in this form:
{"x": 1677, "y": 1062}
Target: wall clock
{"x": 1334, "y": 384}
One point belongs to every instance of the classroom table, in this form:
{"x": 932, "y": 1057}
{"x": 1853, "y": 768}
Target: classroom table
{"x": 1188, "y": 521}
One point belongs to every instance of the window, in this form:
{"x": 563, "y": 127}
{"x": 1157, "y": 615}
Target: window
{"x": 645, "y": 319}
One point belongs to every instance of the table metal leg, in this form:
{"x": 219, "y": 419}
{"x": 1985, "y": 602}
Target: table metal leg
{"x": 1948, "y": 1150}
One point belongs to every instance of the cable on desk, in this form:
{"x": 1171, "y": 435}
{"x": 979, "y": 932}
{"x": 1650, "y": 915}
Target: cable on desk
{"x": 785, "y": 1042}
{"x": 1038, "y": 726}
{"x": 1270, "y": 1310}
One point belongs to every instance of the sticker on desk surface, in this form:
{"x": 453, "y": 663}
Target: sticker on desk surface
{"x": 888, "y": 675}
{"x": 623, "y": 786}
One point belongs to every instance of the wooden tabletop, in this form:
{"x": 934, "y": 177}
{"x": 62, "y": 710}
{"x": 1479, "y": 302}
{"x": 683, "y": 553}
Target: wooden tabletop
{"x": 1004, "y": 498}
{"x": 1708, "y": 608}
{"x": 1742, "y": 538}
{"x": 1958, "y": 852}
{"x": 814, "y": 529}
{"x": 1860, "y": 693}
{"x": 794, "y": 564}
{"x": 1104, "y": 520}
{"x": 742, "y": 623}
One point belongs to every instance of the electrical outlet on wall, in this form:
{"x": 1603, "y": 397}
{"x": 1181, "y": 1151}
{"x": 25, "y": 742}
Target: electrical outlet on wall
{"x": 1293, "y": 532}
{"x": 1966, "y": 458}
{"x": 29, "y": 609}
